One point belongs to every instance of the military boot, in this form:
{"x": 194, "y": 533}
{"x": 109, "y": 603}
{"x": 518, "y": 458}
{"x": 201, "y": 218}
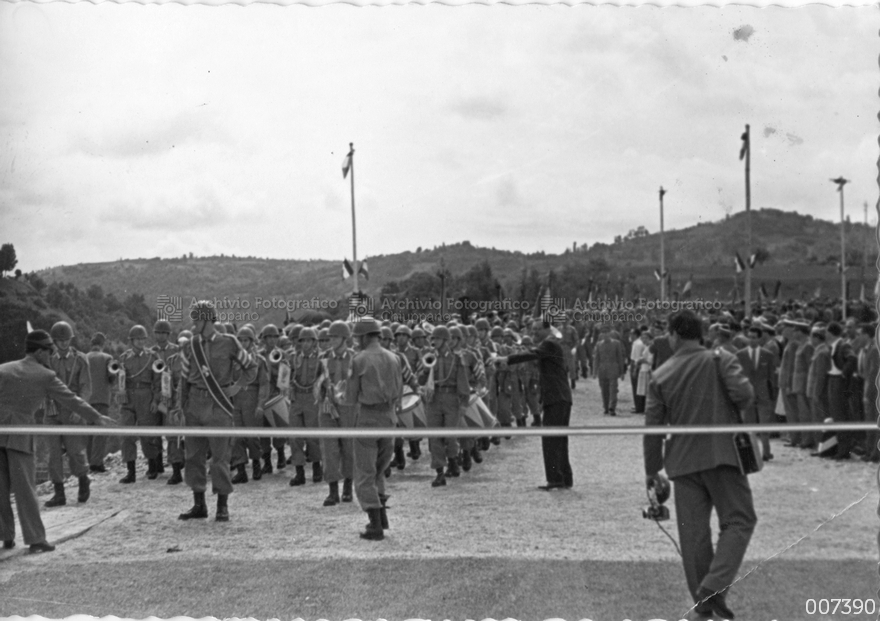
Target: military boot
{"x": 440, "y": 480}
{"x": 59, "y": 498}
{"x": 267, "y": 463}
{"x": 317, "y": 472}
{"x": 258, "y": 470}
{"x": 130, "y": 477}
{"x": 282, "y": 462}
{"x": 199, "y": 509}
{"x": 466, "y": 461}
{"x": 346, "y": 490}
{"x": 152, "y": 470}
{"x": 175, "y": 475}
{"x": 333, "y": 497}
{"x": 300, "y": 478}
{"x": 84, "y": 489}
{"x": 399, "y": 459}
{"x": 240, "y": 474}
{"x": 222, "y": 509}
{"x": 374, "y": 528}
{"x": 476, "y": 455}
{"x": 452, "y": 469}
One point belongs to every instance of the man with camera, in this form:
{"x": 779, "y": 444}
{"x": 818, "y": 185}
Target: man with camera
{"x": 689, "y": 389}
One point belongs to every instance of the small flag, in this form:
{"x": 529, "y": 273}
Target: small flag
{"x": 740, "y": 266}
{"x": 753, "y": 259}
{"x": 30, "y": 328}
{"x": 346, "y": 163}
{"x": 659, "y": 276}
{"x": 763, "y": 292}
{"x": 686, "y": 291}
{"x": 745, "y": 145}
{"x": 777, "y": 290}
{"x": 362, "y": 269}
{"x": 347, "y": 269}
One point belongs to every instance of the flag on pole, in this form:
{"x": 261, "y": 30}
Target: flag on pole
{"x": 362, "y": 269}
{"x": 347, "y": 269}
{"x": 659, "y": 276}
{"x": 777, "y": 289}
{"x": 346, "y": 164}
{"x": 740, "y": 266}
{"x": 745, "y": 145}
{"x": 763, "y": 292}
{"x": 686, "y": 291}
{"x": 753, "y": 259}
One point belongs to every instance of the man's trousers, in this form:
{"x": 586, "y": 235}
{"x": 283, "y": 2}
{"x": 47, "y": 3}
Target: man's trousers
{"x": 338, "y": 453}
{"x": 17, "y": 476}
{"x": 557, "y": 466}
{"x": 304, "y": 414}
{"x": 443, "y": 411}
{"x": 75, "y": 446}
{"x": 136, "y": 411}
{"x": 201, "y": 411}
{"x": 372, "y": 455}
{"x": 244, "y": 415}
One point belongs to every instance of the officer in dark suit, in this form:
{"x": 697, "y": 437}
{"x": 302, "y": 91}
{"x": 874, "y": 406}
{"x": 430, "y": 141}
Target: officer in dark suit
{"x": 689, "y": 390}
{"x": 843, "y": 366}
{"x": 24, "y": 385}
{"x": 610, "y": 361}
{"x": 760, "y": 369}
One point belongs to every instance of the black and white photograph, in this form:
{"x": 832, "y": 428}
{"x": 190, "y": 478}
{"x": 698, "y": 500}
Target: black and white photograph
{"x": 316, "y": 311}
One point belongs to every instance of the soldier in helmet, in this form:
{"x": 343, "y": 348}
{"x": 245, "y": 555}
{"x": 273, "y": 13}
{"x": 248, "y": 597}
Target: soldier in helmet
{"x": 336, "y": 413}
{"x": 386, "y": 339}
{"x": 375, "y": 384}
{"x": 412, "y": 354}
{"x": 323, "y": 340}
{"x": 476, "y": 375}
{"x": 488, "y": 349}
{"x": 143, "y": 393}
{"x": 101, "y": 381}
{"x": 176, "y": 450}
{"x": 276, "y": 356}
{"x": 72, "y": 367}
{"x": 531, "y": 383}
{"x": 206, "y": 390}
{"x": 164, "y": 350}
{"x": 419, "y": 339}
{"x": 444, "y": 403}
{"x": 249, "y": 410}
{"x": 514, "y": 385}
{"x": 305, "y": 369}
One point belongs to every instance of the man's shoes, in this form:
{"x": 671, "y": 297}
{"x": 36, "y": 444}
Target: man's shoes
{"x": 199, "y": 509}
{"x": 476, "y": 455}
{"x": 317, "y": 472}
{"x": 612, "y": 413}
{"x": 36, "y": 548}
{"x": 346, "y": 490}
{"x": 130, "y": 477}
{"x": 98, "y": 468}
{"x": 59, "y": 498}
{"x": 9, "y": 544}
{"x": 299, "y": 478}
{"x": 388, "y": 471}
{"x": 713, "y": 604}
{"x": 240, "y": 475}
{"x": 282, "y": 462}
{"x": 551, "y": 486}
{"x": 452, "y": 469}
{"x": 496, "y": 440}
{"x": 573, "y": 384}
{"x": 536, "y": 420}
{"x": 399, "y": 459}
{"x": 257, "y": 469}
{"x": 440, "y": 480}
{"x": 267, "y": 460}
{"x": 768, "y": 456}
{"x": 222, "y": 509}
{"x": 841, "y": 456}
{"x": 415, "y": 451}
{"x": 84, "y": 489}
{"x": 466, "y": 461}
{"x": 374, "y": 528}
{"x": 175, "y": 477}
{"x": 605, "y": 413}
{"x": 152, "y": 469}
{"x": 333, "y": 497}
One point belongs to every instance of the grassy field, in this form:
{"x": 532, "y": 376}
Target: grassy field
{"x": 489, "y": 545}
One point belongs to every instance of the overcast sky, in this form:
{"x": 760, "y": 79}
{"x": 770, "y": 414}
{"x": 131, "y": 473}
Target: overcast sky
{"x": 139, "y": 131}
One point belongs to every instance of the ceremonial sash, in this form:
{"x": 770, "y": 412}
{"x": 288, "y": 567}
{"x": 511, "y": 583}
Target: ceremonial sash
{"x": 211, "y": 383}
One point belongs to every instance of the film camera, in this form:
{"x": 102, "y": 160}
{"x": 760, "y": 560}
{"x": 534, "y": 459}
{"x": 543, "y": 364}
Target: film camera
{"x": 658, "y": 493}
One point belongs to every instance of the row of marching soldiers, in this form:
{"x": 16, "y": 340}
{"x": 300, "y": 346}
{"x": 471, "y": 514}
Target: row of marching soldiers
{"x": 299, "y": 383}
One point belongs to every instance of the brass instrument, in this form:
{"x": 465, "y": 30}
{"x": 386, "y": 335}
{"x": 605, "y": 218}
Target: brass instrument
{"x": 159, "y": 366}
{"x": 429, "y": 361}
{"x": 114, "y": 368}
{"x": 276, "y": 356}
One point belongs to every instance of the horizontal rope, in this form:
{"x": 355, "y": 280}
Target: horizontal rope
{"x": 434, "y": 432}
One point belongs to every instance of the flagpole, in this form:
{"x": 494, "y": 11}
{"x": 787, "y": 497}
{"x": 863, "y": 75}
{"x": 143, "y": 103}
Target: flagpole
{"x": 662, "y": 251}
{"x": 748, "y": 285}
{"x": 840, "y": 181}
{"x": 354, "y": 244}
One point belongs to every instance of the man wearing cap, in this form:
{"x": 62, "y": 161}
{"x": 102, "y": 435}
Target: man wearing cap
{"x": 610, "y": 366}
{"x": 248, "y": 412}
{"x": 272, "y": 350}
{"x": 24, "y": 385}
{"x": 374, "y": 385}
{"x": 72, "y": 367}
{"x": 143, "y": 393}
{"x": 444, "y": 404}
{"x": 305, "y": 369}
{"x": 207, "y": 387}
{"x": 164, "y": 350}
{"x": 556, "y": 399}
{"x": 101, "y": 381}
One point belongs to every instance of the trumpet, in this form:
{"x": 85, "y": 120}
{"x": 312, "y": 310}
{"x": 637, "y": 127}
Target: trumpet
{"x": 159, "y": 366}
{"x": 114, "y": 368}
{"x": 276, "y": 356}
{"x": 428, "y": 360}
{"x": 427, "y": 327}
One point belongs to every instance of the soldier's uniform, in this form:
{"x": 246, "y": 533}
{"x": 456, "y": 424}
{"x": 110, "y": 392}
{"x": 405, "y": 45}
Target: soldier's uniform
{"x": 530, "y": 376}
{"x": 336, "y": 413}
{"x": 502, "y": 381}
{"x": 476, "y": 377}
{"x": 248, "y": 404}
{"x": 515, "y": 383}
{"x": 143, "y": 391}
{"x": 273, "y": 369}
{"x": 101, "y": 381}
{"x": 176, "y": 448}
{"x": 72, "y": 368}
{"x": 164, "y": 353}
{"x": 305, "y": 369}
{"x": 412, "y": 355}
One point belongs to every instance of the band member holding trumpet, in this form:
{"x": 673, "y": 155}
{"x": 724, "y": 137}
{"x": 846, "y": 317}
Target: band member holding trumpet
{"x": 274, "y": 411}
{"x": 336, "y": 413}
{"x": 446, "y": 392}
{"x": 386, "y": 338}
{"x": 102, "y": 383}
{"x": 305, "y": 369}
{"x": 248, "y": 411}
{"x": 173, "y": 416}
{"x": 206, "y": 390}
{"x": 72, "y": 368}
{"x": 374, "y": 386}
{"x": 164, "y": 350}
{"x": 402, "y": 336}
{"x": 140, "y": 402}
{"x": 476, "y": 377}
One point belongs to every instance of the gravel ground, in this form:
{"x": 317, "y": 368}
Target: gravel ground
{"x": 493, "y": 512}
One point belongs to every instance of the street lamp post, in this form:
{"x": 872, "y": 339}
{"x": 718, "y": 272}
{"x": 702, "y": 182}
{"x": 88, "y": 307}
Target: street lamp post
{"x": 840, "y": 181}
{"x": 662, "y": 251}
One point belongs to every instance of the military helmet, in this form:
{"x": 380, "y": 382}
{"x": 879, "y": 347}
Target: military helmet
{"x": 220, "y": 327}
{"x": 496, "y": 332}
{"x": 456, "y": 333}
{"x": 245, "y": 332}
{"x": 137, "y": 332}
{"x": 440, "y": 332}
{"x": 270, "y": 329}
{"x": 418, "y": 333}
{"x": 162, "y": 326}
{"x": 339, "y": 328}
{"x": 323, "y": 334}
{"x": 482, "y": 324}
{"x": 324, "y": 324}
{"x": 403, "y": 329}
{"x": 527, "y": 341}
{"x": 62, "y": 331}
{"x": 203, "y": 310}
{"x": 395, "y": 325}
{"x": 283, "y": 342}
{"x": 292, "y": 331}
{"x": 471, "y": 330}
{"x": 386, "y": 333}
{"x": 366, "y": 325}
{"x": 307, "y": 333}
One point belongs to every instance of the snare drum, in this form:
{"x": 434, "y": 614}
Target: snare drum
{"x": 489, "y": 419}
{"x": 471, "y": 416}
{"x": 408, "y": 404}
{"x": 276, "y": 411}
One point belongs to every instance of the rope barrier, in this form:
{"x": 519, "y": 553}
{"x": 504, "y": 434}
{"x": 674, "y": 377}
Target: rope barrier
{"x": 434, "y": 432}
